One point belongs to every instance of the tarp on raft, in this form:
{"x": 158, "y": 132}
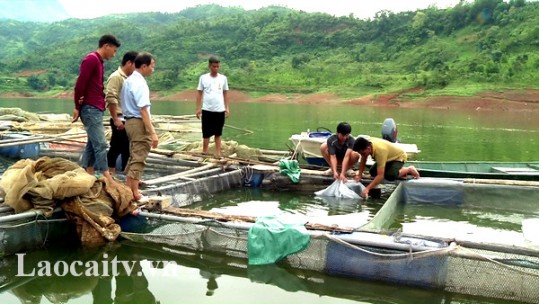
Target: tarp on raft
{"x": 50, "y": 182}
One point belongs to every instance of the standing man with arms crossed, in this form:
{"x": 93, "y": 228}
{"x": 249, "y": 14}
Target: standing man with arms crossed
{"x": 389, "y": 161}
{"x": 337, "y": 151}
{"x": 90, "y": 105}
{"x": 212, "y": 105}
{"x": 135, "y": 100}
{"x": 119, "y": 143}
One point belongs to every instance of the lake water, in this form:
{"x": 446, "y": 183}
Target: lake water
{"x": 201, "y": 278}
{"x": 441, "y": 135}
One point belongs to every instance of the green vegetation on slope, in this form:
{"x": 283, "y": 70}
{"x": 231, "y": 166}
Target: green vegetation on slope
{"x": 460, "y": 50}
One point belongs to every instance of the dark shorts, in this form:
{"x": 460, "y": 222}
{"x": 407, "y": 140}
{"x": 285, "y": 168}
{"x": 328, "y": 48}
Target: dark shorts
{"x": 391, "y": 172}
{"x": 212, "y": 123}
{"x": 340, "y": 154}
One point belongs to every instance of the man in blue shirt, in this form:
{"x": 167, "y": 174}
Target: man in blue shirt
{"x": 135, "y": 100}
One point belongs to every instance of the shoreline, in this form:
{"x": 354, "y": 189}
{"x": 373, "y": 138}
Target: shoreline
{"x": 526, "y": 100}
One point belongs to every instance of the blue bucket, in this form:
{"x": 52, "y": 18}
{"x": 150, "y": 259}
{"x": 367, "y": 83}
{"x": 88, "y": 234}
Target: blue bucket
{"x": 319, "y": 134}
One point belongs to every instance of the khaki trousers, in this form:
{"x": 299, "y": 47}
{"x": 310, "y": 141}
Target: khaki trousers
{"x": 140, "y": 144}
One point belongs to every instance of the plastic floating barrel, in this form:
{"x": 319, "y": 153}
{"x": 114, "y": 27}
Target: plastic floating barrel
{"x": 255, "y": 179}
{"x": 20, "y": 151}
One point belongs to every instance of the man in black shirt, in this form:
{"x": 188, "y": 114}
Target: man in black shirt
{"x": 338, "y": 147}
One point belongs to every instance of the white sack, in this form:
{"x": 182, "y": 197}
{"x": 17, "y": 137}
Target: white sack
{"x": 342, "y": 190}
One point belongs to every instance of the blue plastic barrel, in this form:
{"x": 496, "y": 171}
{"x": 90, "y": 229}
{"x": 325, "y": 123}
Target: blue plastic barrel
{"x": 255, "y": 180}
{"x": 20, "y": 151}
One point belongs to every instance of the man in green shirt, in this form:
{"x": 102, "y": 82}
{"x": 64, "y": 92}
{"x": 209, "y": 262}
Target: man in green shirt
{"x": 119, "y": 143}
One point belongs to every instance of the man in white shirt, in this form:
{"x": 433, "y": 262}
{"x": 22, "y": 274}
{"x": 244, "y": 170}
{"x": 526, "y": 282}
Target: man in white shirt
{"x": 135, "y": 100}
{"x": 212, "y": 105}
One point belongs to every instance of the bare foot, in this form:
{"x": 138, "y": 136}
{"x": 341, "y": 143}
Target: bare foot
{"x": 413, "y": 171}
{"x": 109, "y": 177}
{"x": 90, "y": 170}
{"x": 137, "y": 196}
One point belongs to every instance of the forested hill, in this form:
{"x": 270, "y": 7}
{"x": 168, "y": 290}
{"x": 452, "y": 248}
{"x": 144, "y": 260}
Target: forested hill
{"x": 486, "y": 44}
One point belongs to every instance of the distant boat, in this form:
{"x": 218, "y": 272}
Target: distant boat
{"x": 307, "y": 144}
{"x": 478, "y": 169}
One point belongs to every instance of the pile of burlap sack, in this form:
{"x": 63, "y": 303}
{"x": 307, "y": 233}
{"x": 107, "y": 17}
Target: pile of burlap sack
{"x": 92, "y": 204}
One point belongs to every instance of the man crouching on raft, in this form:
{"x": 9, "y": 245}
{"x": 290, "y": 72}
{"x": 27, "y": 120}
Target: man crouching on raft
{"x": 389, "y": 161}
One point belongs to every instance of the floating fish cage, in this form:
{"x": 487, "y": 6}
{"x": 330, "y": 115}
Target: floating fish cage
{"x": 495, "y": 263}
{"x": 30, "y": 230}
{"x": 184, "y": 193}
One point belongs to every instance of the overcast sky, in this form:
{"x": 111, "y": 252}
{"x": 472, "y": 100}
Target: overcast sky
{"x": 360, "y": 8}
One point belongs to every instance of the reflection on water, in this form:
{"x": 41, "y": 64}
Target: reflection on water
{"x": 167, "y": 275}
{"x": 63, "y": 276}
{"x": 304, "y": 207}
{"x": 291, "y": 202}
{"x": 484, "y": 214}
{"x": 484, "y": 217}
{"x": 507, "y": 220}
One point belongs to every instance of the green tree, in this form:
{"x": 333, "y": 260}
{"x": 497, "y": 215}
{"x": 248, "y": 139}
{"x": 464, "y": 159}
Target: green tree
{"x": 36, "y": 83}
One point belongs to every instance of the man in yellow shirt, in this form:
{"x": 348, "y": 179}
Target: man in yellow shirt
{"x": 389, "y": 161}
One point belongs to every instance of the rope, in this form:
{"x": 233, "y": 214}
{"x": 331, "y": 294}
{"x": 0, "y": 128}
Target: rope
{"x": 36, "y": 228}
{"x": 247, "y": 174}
{"x": 246, "y": 131}
{"x": 296, "y": 149}
{"x": 493, "y": 260}
{"x": 408, "y": 255}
